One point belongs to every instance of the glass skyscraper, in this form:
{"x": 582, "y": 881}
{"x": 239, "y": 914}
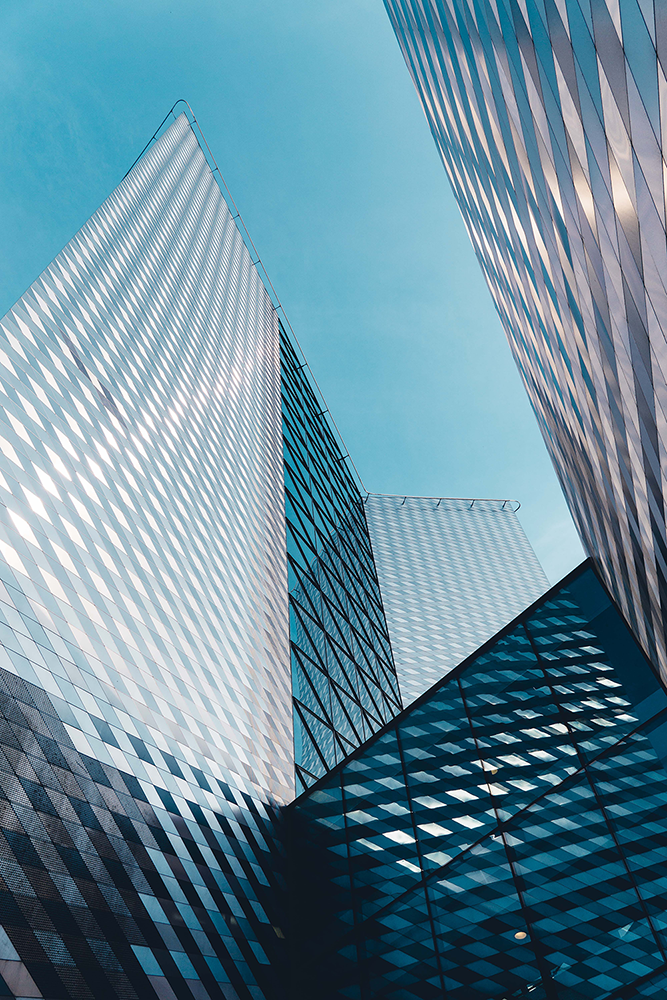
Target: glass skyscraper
{"x": 550, "y": 118}
{"x": 190, "y": 617}
{"x": 452, "y": 573}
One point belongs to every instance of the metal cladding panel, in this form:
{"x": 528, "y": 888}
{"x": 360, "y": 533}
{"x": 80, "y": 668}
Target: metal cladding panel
{"x": 145, "y": 682}
{"x": 503, "y": 837}
{"x": 550, "y": 122}
{"x": 452, "y": 573}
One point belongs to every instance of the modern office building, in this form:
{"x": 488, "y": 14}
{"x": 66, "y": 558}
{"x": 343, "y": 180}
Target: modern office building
{"x": 186, "y": 569}
{"x": 504, "y": 836}
{"x": 550, "y": 121}
{"x": 452, "y": 573}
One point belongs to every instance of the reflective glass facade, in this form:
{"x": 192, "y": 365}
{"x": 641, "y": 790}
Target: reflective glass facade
{"x": 504, "y": 836}
{"x": 550, "y": 117}
{"x": 345, "y": 685}
{"x": 146, "y": 727}
{"x": 452, "y": 573}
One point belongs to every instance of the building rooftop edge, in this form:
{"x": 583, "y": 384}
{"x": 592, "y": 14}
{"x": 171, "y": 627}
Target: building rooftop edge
{"x": 469, "y": 500}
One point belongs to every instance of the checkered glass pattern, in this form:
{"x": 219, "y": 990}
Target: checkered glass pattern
{"x": 550, "y": 120}
{"x": 146, "y": 736}
{"x": 503, "y": 837}
{"x": 452, "y": 573}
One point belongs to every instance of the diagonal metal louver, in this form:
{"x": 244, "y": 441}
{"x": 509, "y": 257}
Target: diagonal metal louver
{"x": 550, "y": 119}
{"x": 146, "y": 711}
{"x": 452, "y": 572}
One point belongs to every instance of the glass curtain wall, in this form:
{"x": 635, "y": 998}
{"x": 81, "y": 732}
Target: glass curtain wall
{"x": 504, "y": 836}
{"x": 343, "y": 674}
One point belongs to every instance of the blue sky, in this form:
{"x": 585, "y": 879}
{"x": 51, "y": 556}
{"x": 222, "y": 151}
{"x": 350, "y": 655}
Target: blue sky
{"x": 311, "y": 114}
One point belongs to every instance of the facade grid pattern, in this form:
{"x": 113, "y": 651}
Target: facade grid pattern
{"x": 170, "y": 546}
{"x": 343, "y": 674}
{"x": 502, "y": 837}
{"x": 146, "y": 730}
{"x": 452, "y": 573}
{"x": 550, "y": 120}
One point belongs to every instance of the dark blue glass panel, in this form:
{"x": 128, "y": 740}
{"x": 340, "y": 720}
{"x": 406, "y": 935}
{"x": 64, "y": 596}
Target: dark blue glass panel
{"x": 476, "y": 914}
{"x": 586, "y": 917}
{"x": 504, "y": 836}
{"x": 381, "y": 833}
{"x": 337, "y": 620}
{"x": 399, "y": 956}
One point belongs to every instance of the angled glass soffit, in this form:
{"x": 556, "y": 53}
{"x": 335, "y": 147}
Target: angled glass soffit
{"x": 504, "y": 836}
